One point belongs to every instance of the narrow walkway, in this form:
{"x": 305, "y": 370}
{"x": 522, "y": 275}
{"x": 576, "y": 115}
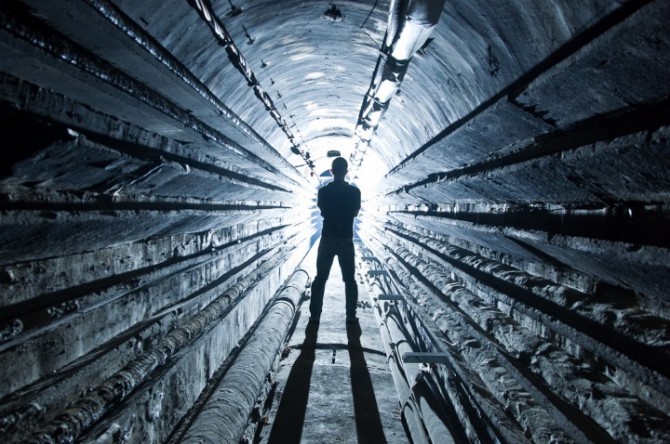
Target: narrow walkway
{"x": 334, "y": 385}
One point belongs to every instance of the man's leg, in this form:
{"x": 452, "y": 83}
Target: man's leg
{"x": 348, "y": 266}
{"x": 324, "y": 260}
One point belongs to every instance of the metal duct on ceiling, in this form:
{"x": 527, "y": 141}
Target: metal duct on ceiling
{"x": 410, "y": 23}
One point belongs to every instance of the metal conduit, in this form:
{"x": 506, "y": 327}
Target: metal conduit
{"x": 424, "y": 422}
{"x": 409, "y": 410}
{"x": 410, "y": 23}
{"x": 475, "y": 418}
{"x": 415, "y": 400}
{"x": 226, "y": 413}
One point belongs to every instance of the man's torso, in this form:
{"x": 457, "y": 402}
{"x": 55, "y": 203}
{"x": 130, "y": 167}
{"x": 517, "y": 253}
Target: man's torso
{"x": 339, "y": 203}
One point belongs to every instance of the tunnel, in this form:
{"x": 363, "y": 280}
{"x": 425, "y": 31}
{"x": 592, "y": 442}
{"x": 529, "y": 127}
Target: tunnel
{"x": 159, "y": 221}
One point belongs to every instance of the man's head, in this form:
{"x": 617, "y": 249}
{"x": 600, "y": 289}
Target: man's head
{"x": 339, "y": 168}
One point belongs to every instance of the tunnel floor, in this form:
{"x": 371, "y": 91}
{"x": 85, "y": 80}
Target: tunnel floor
{"x": 333, "y": 384}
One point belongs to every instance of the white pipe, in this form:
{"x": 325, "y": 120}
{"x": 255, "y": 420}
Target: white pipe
{"x": 410, "y": 23}
{"x": 225, "y": 415}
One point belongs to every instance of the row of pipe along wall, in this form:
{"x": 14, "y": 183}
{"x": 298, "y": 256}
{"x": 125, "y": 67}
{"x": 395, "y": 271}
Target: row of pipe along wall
{"x": 520, "y": 236}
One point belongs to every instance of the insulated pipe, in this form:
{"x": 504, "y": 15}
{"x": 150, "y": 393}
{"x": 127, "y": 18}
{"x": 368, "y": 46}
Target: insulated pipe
{"x": 410, "y": 23}
{"x": 417, "y": 23}
{"x": 404, "y": 343}
{"x": 393, "y": 24}
{"x": 480, "y": 417}
{"x": 453, "y": 414}
{"x": 409, "y": 410}
{"x": 225, "y": 415}
{"x": 80, "y": 417}
{"x": 424, "y": 424}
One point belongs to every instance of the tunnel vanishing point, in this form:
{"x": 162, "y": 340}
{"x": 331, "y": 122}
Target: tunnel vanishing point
{"x": 157, "y": 202}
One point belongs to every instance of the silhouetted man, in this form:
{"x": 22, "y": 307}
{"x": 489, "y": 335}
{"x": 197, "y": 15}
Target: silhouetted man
{"x": 339, "y": 203}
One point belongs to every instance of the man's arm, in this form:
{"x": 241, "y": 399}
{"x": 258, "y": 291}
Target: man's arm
{"x": 358, "y": 202}
{"x": 322, "y": 202}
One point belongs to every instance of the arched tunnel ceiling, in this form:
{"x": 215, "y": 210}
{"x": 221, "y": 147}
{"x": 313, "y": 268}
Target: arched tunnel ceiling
{"x": 315, "y": 60}
{"x": 516, "y": 194}
{"x": 314, "y": 65}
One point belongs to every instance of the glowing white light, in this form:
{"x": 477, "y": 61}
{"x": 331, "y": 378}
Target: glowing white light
{"x": 370, "y": 174}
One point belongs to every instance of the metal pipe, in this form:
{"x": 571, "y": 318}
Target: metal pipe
{"x": 424, "y": 424}
{"x": 447, "y": 408}
{"x": 410, "y": 23}
{"x": 224, "y": 416}
{"x": 80, "y": 417}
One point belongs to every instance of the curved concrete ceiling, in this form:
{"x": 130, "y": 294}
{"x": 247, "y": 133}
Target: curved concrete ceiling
{"x": 164, "y": 156}
{"x": 314, "y": 64}
{"x": 315, "y": 60}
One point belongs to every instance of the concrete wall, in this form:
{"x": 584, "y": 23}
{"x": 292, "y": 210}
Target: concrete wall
{"x": 523, "y": 211}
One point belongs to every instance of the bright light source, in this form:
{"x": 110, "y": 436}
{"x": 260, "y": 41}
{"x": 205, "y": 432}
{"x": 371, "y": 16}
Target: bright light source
{"x": 369, "y": 175}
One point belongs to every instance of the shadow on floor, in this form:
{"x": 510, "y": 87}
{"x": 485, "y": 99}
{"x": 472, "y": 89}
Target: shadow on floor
{"x": 289, "y": 421}
{"x": 290, "y": 418}
{"x": 368, "y": 423}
